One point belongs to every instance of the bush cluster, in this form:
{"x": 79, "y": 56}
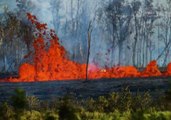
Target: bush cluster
{"x": 115, "y": 106}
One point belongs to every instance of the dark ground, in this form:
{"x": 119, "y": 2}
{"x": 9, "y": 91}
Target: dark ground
{"x": 82, "y": 89}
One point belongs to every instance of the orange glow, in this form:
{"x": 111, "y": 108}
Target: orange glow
{"x": 151, "y": 70}
{"x": 50, "y": 62}
{"x": 168, "y": 71}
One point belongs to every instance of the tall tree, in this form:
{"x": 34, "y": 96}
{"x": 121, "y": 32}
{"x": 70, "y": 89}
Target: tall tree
{"x": 119, "y": 15}
{"x": 135, "y": 9}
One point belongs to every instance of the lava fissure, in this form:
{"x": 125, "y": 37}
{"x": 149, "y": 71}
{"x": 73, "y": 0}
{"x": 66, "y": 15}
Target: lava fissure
{"x": 50, "y": 62}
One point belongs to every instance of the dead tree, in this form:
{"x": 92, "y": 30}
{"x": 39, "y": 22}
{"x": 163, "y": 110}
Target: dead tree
{"x": 89, "y": 32}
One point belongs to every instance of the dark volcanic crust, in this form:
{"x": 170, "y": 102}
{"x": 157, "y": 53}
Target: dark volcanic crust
{"x": 84, "y": 89}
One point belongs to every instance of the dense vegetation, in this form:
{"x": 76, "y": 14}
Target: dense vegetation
{"x": 115, "y": 106}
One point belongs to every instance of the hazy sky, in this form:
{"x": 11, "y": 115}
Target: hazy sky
{"x": 10, "y": 3}
{"x": 44, "y": 6}
{"x": 44, "y": 13}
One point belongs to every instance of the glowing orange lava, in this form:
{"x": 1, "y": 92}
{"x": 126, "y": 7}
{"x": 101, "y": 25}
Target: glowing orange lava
{"x": 50, "y": 62}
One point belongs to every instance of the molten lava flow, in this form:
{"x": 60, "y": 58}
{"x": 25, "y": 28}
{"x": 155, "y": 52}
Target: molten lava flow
{"x": 116, "y": 72}
{"x": 168, "y": 71}
{"x": 151, "y": 70}
{"x": 50, "y": 62}
{"x": 27, "y": 72}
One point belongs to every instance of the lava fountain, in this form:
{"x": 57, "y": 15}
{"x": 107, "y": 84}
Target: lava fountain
{"x": 50, "y": 62}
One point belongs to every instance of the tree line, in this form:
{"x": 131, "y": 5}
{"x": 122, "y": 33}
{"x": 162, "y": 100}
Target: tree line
{"x": 113, "y": 32}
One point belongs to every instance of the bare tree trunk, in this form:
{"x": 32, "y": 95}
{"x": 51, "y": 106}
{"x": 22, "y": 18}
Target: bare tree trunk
{"x": 165, "y": 49}
{"x": 158, "y": 40}
{"x": 165, "y": 59}
{"x": 136, "y": 40}
{"x": 5, "y": 57}
{"x": 120, "y": 53}
{"x": 134, "y": 52}
{"x": 5, "y": 63}
{"x": 143, "y": 32}
{"x": 72, "y": 18}
{"x": 89, "y": 32}
{"x": 113, "y": 44}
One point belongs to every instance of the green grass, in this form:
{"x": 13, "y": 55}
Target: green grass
{"x": 115, "y": 106}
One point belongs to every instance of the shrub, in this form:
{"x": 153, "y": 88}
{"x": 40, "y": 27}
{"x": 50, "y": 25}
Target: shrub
{"x": 138, "y": 115}
{"x": 106, "y": 116}
{"x": 51, "y": 116}
{"x": 6, "y": 112}
{"x": 158, "y": 116}
{"x": 141, "y": 102}
{"x": 33, "y": 102}
{"x": 19, "y": 100}
{"x": 113, "y": 102}
{"x": 125, "y": 100}
{"x": 31, "y": 115}
{"x": 89, "y": 105}
{"x": 115, "y": 106}
{"x": 95, "y": 116}
{"x": 102, "y": 104}
{"x": 168, "y": 98}
{"x": 68, "y": 109}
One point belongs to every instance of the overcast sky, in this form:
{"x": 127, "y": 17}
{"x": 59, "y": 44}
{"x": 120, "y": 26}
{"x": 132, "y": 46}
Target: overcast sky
{"x": 44, "y": 6}
{"x": 44, "y": 13}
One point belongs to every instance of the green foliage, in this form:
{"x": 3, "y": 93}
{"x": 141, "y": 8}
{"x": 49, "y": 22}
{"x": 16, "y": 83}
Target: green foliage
{"x": 51, "y": 116}
{"x": 90, "y": 105}
{"x": 106, "y": 116}
{"x": 158, "y": 116}
{"x": 6, "y": 112}
{"x": 19, "y": 99}
{"x": 166, "y": 100}
{"x": 115, "y": 106}
{"x": 31, "y": 115}
{"x": 123, "y": 101}
{"x": 113, "y": 102}
{"x": 141, "y": 102}
{"x": 95, "y": 116}
{"x": 33, "y": 102}
{"x": 138, "y": 115}
{"x": 102, "y": 104}
{"x": 68, "y": 109}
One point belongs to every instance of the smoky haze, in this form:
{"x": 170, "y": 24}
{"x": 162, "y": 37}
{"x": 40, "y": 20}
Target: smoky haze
{"x": 134, "y": 33}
